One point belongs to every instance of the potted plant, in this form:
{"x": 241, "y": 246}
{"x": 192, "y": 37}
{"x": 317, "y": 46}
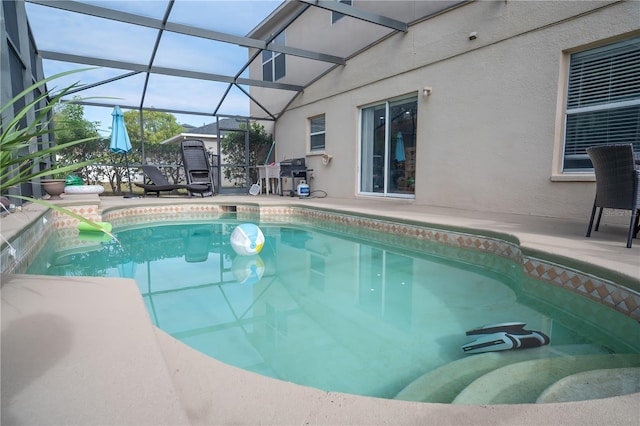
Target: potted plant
{"x": 54, "y": 187}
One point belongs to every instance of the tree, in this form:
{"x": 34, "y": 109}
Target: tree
{"x": 158, "y": 127}
{"x": 70, "y": 125}
{"x": 69, "y": 117}
{"x": 233, "y": 149}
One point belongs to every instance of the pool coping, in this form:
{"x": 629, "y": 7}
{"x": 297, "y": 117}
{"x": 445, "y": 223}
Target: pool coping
{"x": 214, "y": 393}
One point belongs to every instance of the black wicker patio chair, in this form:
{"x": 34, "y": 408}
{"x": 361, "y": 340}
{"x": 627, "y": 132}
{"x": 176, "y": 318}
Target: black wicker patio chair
{"x": 196, "y": 163}
{"x": 157, "y": 183}
{"x": 617, "y": 184}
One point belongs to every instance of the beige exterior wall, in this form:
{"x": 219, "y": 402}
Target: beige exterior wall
{"x": 490, "y": 135}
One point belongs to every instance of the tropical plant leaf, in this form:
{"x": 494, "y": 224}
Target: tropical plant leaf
{"x": 21, "y": 149}
{"x": 67, "y": 212}
{"x": 16, "y": 160}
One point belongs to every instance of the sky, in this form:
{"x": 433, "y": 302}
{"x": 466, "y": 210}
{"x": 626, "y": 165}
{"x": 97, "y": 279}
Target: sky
{"x": 73, "y": 33}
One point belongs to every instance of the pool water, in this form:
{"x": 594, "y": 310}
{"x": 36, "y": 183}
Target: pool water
{"x": 315, "y": 308}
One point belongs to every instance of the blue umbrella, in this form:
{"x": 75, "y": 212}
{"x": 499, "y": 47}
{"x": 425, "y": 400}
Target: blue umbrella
{"x": 399, "y": 147}
{"x": 120, "y": 142}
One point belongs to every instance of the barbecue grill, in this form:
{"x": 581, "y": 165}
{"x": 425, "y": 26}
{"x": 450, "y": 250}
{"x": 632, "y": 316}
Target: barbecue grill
{"x": 294, "y": 168}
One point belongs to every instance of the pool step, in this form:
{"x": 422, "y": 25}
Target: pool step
{"x": 525, "y": 382}
{"x": 593, "y": 384}
{"x": 445, "y": 383}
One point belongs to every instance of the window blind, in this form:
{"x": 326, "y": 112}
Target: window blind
{"x": 317, "y": 133}
{"x": 603, "y": 100}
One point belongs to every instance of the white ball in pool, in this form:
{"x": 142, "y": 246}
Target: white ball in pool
{"x": 247, "y": 239}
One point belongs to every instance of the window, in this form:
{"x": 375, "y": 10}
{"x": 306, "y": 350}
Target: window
{"x": 603, "y": 101}
{"x": 388, "y": 148}
{"x": 316, "y": 134}
{"x": 336, "y": 16}
{"x": 273, "y": 63}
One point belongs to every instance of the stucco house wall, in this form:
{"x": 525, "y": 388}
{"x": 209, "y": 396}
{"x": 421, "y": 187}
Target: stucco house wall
{"x": 490, "y": 135}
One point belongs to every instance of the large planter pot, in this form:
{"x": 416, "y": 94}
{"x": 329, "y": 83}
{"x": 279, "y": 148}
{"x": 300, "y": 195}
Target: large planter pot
{"x": 53, "y": 187}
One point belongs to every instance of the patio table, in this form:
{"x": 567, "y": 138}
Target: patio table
{"x": 269, "y": 173}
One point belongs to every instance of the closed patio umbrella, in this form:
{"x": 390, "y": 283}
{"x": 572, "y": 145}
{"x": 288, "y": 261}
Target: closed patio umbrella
{"x": 120, "y": 142}
{"x": 399, "y": 147}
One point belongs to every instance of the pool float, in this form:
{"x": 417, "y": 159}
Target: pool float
{"x": 86, "y": 227}
{"x": 99, "y": 237}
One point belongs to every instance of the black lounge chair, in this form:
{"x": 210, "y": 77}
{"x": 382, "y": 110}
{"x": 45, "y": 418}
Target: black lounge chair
{"x": 159, "y": 183}
{"x": 196, "y": 163}
{"x": 617, "y": 184}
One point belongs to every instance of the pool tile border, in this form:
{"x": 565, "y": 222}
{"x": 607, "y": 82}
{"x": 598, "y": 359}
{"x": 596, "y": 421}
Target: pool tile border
{"x": 30, "y": 241}
{"x": 608, "y": 293}
{"x": 602, "y": 291}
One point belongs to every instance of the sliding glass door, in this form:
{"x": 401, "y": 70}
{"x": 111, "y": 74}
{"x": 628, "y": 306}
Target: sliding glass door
{"x": 388, "y": 148}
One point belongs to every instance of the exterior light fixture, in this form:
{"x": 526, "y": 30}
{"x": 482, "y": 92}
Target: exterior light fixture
{"x": 427, "y": 90}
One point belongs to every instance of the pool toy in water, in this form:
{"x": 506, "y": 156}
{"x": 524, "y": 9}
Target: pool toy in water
{"x": 99, "y": 237}
{"x": 247, "y": 239}
{"x": 103, "y": 226}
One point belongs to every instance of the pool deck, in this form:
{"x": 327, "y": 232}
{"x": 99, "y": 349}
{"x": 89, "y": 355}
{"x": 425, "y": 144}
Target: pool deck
{"x": 79, "y": 350}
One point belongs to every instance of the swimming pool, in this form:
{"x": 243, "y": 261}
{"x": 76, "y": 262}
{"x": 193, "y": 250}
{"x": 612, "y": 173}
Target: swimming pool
{"x": 384, "y": 310}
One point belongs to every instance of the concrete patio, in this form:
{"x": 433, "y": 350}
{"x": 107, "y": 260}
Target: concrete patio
{"x": 79, "y": 350}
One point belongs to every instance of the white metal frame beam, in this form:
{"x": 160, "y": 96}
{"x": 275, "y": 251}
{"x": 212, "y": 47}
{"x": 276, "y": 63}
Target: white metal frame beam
{"x": 336, "y": 6}
{"x": 108, "y": 63}
{"x": 130, "y": 18}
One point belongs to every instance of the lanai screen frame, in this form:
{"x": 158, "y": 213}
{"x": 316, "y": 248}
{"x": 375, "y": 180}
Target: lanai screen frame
{"x": 296, "y": 7}
{"x": 292, "y": 10}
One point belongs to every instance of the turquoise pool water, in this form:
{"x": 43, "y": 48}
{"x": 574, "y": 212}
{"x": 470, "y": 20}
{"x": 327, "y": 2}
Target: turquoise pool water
{"x": 315, "y": 307}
